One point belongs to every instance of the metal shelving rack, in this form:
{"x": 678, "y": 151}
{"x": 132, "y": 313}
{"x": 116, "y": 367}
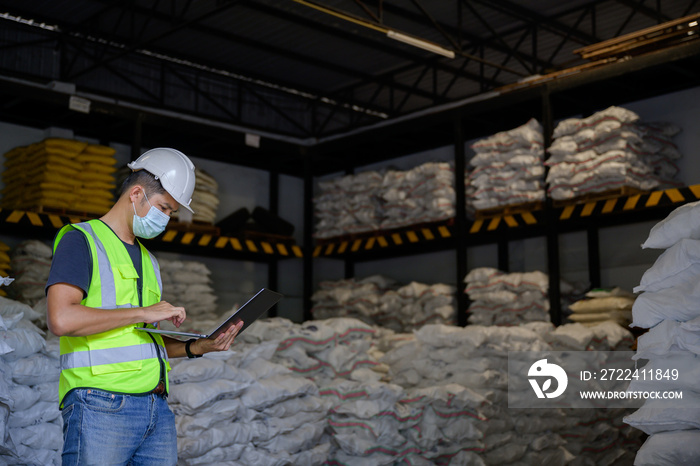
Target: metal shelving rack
{"x": 581, "y": 92}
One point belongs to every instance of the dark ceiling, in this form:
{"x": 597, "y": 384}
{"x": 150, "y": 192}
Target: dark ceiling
{"x": 296, "y": 72}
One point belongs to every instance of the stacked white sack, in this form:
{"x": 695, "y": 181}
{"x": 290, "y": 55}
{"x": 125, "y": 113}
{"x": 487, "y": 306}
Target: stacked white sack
{"x": 205, "y": 198}
{"x": 602, "y": 305}
{"x": 508, "y": 299}
{"x": 242, "y": 408}
{"x": 608, "y": 150}
{"x": 189, "y": 284}
{"x": 290, "y": 380}
{"x": 416, "y": 304}
{"x": 373, "y": 422}
{"x": 30, "y": 421}
{"x": 371, "y": 200}
{"x": 668, "y": 307}
{"x": 423, "y": 194}
{"x": 261, "y": 404}
{"x": 378, "y": 423}
{"x": 378, "y": 300}
{"x": 476, "y": 357}
{"x": 349, "y": 204}
{"x": 597, "y": 436}
{"x": 359, "y": 299}
{"x": 31, "y": 262}
{"x": 508, "y": 168}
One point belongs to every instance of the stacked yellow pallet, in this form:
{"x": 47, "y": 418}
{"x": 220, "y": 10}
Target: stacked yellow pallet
{"x": 4, "y": 264}
{"x": 60, "y": 174}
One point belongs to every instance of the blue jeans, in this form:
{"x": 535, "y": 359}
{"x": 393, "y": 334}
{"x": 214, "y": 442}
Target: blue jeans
{"x": 104, "y": 429}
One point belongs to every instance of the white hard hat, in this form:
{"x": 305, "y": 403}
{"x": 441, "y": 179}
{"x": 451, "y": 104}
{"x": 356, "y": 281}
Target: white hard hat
{"x": 174, "y": 170}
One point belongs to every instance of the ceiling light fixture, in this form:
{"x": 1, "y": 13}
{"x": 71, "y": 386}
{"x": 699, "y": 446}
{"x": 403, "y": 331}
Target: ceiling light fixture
{"x": 405, "y": 38}
{"x": 420, "y": 43}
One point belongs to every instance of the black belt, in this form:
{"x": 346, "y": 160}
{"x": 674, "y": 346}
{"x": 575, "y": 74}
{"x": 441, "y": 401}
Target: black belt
{"x": 160, "y": 388}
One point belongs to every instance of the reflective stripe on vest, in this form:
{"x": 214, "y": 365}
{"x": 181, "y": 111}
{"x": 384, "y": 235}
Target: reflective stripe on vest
{"x": 156, "y": 268}
{"x": 109, "y": 356}
{"x": 104, "y": 268}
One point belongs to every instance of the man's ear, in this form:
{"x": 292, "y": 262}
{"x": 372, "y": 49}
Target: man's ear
{"x": 135, "y": 193}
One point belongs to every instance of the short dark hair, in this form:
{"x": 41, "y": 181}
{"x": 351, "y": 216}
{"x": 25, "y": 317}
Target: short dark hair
{"x": 142, "y": 178}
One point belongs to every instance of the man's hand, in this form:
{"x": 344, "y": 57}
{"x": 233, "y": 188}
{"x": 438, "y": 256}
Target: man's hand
{"x": 65, "y": 315}
{"x": 164, "y": 311}
{"x": 222, "y": 343}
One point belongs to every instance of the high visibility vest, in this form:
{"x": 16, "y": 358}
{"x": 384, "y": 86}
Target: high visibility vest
{"x": 122, "y": 360}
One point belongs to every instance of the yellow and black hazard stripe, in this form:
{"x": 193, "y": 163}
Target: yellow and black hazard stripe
{"x": 12, "y": 217}
{"x": 513, "y": 220}
{"x": 231, "y": 244}
{"x": 416, "y": 235}
{"x": 284, "y": 248}
{"x": 664, "y": 197}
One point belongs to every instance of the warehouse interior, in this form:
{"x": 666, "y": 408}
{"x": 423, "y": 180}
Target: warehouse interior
{"x": 329, "y": 134}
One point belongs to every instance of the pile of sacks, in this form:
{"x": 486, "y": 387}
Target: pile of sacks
{"x": 508, "y": 168}
{"x": 30, "y": 264}
{"x": 378, "y": 300}
{"x": 349, "y": 204}
{"x": 262, "y": 403}
{"x": 30, "y": 421}
{"x": 60, "y": 173}
{"x": 336, "y": 391}
{"x": 205, "y": 198}
{"x": 602, "y": 305}
{"x": 508, "y": 299}
{"x": 189, "y": 284}
{"x": 609, "y": 150}
{"x": 668, "y": 307}
{"x": 242, "y": 408}
{"x": 476, "y": 357}
{"x": 372, "y": 200}
{"x": 597, "y": 436}
{"x": 423, "y": 194}
{"x": 4, "y": 268}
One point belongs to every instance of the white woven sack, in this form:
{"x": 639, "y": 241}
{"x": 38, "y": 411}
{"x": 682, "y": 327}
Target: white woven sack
{"x": 680, "y": 371}
{"x": 679, "y": 303}
{"x": 683, "y": 222}
{"x": 669, "y": 268}
{"x": 663, "y": 415}
{"x": 679, "y": 448}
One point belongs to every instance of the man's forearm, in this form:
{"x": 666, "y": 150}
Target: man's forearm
{"x": 76, "y": 320}
{"x": 174, "y": 347}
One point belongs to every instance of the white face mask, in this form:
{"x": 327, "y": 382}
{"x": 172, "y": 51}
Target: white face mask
{"x": 152, "y": 225}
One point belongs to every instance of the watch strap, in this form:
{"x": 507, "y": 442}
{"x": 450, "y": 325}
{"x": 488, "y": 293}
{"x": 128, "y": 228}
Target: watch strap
{"x": 188, "y": 351}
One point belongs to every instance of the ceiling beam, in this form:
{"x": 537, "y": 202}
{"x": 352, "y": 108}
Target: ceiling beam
{"x": 472, "y": 39}
{"x": 141, "y": 44}
{"x": 71, "y": 29}
{"x": 646, "y": 11}
{"x": 356, "y": 39}
{"x": 239, "y": 39}
{"x": 552, "y": 24}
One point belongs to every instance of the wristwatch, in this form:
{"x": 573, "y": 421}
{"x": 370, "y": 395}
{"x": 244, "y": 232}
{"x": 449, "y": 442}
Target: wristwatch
{"x": 187, "y": 349}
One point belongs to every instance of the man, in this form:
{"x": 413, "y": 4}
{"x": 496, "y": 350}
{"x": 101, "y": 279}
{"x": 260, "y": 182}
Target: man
{"x": 102, "y": 285}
